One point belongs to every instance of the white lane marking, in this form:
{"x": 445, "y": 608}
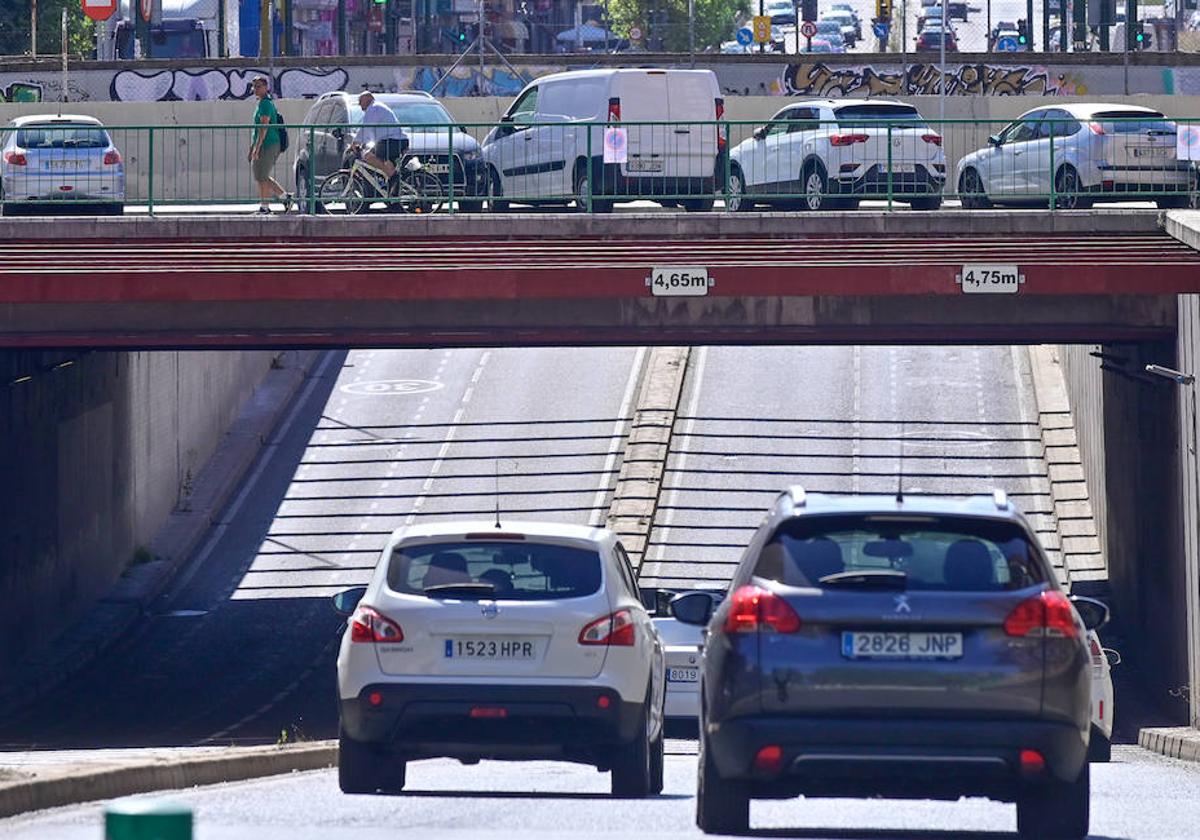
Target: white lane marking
{"x": 685, "y": 442}
{"x": 616, "y": 444}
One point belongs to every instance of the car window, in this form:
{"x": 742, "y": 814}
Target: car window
{"x": 420, "y": 113}
{"x": 61, "y": 136}
{"x": 857, "y": 115}
{"x": 524, "y": 108}
{"x": 935, "y": 553}
{"x": 576, "y": 98}
{"x": 779, "y": 125}
{"x": 1025, "y": 130}
{"x": 1133, "y": 122}
{"x": 1059, "y": 123}
{"x": 523, "y": 572}
{"x": 627, "y": 573}
{"x": 805, "y": 119}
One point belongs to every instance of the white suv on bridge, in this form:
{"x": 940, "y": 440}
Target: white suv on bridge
{"x": 833, "y": 153}
{"x": 523, "y": 642}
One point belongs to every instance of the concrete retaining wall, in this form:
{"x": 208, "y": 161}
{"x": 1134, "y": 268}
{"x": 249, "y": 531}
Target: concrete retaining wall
{"x": 97, "y": 450}
{"x": 210, "y": 163}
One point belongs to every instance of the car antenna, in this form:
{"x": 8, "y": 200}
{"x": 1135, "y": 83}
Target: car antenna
{"x": 900, "y": 477}
{"x": 496, "y": 467}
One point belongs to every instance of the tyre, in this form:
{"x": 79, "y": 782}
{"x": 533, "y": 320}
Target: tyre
{"x": 1173, "y": 202}
{"x": 1099, "y": 747}
{"x": 657, "y": 761}
{"x": 113, "y": 209}
{"x": 971, "y": 191}
{"x": 696, "y": 205}
{"x": 928, "y": 202}
{"x": 815, "y": 186}
{"x": 302, "y": 192}
{"x": 1067, "y": 189}
{"x": 424, "y": 193}
{"x": 583, "y": 187}
{"x": 1056, "y": 809}
{"x": 340, "y": 194}
{"x": 631, "y": 769}
{"x": 722, "y": 805}
{"x": 736, "y": 200}
{"x": 494, "y": 191}
{"x": 473, "y": 206}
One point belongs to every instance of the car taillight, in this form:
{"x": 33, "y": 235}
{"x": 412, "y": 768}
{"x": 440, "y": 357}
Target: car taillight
{"x": 720, "y": 107}
{"x": 1045, "y": 614}
{"x": 15, "y": 159}
{"x": 614, "y": 109}
{"x": 754, "y": 609}
{"x": 112, "y": 157}
{"x": 847, "y": 139}
{"x": 720, "y": 115}
{"x": 935, "y": 139}
{"x": 370, "y": 626}
{"x": 1096, "y": 128}
{"x": 615, "y": 629}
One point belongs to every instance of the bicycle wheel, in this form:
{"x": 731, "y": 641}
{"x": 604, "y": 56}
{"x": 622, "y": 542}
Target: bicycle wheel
{"x": 341, "y": 193}
{"x": 420, "y": 192}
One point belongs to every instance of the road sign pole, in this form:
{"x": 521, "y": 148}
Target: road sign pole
{"x": 762, "y": 46}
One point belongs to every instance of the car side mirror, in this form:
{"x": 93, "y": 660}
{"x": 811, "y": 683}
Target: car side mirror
{"x": 994, "y": 140}
{"x": 760, "y": 133}
{"x": 1094, "y": 613}
{"x": 693, "y": 607}
{"x": 346, "y": 601}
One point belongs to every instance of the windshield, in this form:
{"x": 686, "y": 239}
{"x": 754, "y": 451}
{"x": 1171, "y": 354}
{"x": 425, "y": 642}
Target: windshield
{"x": 62, "y": 136}
{"x": 936, "y": 553}
{"x": 1134, "y": 122}
{"x": 502, "y": 570}
{"x": 420, "y": 113}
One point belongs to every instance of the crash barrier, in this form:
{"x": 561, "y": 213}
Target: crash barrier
{"x": 1056, "y": 161}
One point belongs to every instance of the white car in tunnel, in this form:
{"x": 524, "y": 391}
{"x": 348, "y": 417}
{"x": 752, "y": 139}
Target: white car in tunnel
{"x": 476, "y": 642}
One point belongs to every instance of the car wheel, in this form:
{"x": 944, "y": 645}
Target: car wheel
{"x": 302, "y": 192}
{"x": 971, "y": 191}
{"x": 929, "y": 202}
{"x": 583, "y": 187}
{"x": 657, "y": 760}
{"x": 1056, "y": 809}
{"x": 697, "y": 205}
{"x": 356, "y": 766}
{"x": 114, "y": 209}
{"x": 736, "y": 200}
{"x": 722, "y": 805}
{"x": 815, "y": 187}
{"x": 470, "y": 206}
{"x": 1067, "y": 190}
{"x": 494, "y": 191}
{"x": 1099, "y": 747}
{"x": 1173, "y": 202}
{"x": 631, "y": 769}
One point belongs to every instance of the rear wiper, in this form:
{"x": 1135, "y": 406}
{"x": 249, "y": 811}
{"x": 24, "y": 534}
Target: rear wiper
{"x": 467, "y": 588}
{"x": 867, "y": 579}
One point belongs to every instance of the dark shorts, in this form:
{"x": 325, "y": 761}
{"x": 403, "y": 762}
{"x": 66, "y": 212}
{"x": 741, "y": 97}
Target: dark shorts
{"x": 390, "y": 149}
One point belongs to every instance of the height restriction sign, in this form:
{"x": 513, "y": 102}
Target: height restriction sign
{"x": 99, "y": 9}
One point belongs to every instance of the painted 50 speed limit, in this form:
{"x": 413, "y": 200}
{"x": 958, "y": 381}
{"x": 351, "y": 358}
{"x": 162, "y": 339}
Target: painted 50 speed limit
{"x": 678, "y": 281}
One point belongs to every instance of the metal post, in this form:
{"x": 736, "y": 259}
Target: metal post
{"x": 341, "y": 27}
{"x": 33, "y": 28}
{"x": 312, "y": 171}
{"x": 590, "y": 167}
{"x": 221, "y": 23}
{"x": 763, "y": 47}
{"x": 989, "y": 24}
{"x": 941, "y": 76}
{"x": 150, "y": 179}
{"x": 285, "y": 46}
{"x": 1029, "y": 22}
{"x": 1046, "y": 24}
{"x": 727, "y": 165}
{"x": 63, "y": 96}
{"x": 1053, "y": 186}
{"x": 692, "y": 32}
{"x": 264, "y": 32}
{"x": 450, "y": 182}
{"x": 904, "y": 46}
{"x": 890, "y": 192}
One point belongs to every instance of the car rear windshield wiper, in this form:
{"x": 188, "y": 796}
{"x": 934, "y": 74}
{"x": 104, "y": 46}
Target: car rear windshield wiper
{"x": 867, "y": 579}
{"x": 466, "y": 588}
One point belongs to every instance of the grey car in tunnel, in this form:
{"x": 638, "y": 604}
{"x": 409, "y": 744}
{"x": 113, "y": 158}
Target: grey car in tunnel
{"x": 898, "y": 647}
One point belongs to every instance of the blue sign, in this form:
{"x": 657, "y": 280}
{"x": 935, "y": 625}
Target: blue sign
{"x": 1006, "y": 44}
{"x": 745, "y": 37}
{"x": 881, "y": 29}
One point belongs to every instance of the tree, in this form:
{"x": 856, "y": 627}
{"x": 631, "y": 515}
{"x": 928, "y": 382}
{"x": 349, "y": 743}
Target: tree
{"x": 14, "y": 28}
{"x": 668, "y": 20}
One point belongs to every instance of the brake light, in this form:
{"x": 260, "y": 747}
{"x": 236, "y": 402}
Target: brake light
{"x": 15, "y": 159}
{"x": 614, "y": 109}
{"x": 1096, "y": 128}
{"x": 720, "y": 115}
{"x": 492, "y": 712}
{"x": 754, "y": 609}
{"x": 1046, "y": 614}
{"x": 495, "y": 535}
{"x": 112, "y": 157}
{"x": 614, "y": 630}
{"x": 769, "y": 759}
{"x": 847, "y": 139}
{"x": 1033, "y": 763}
{"x": 935, "y": 139}
{"x": 720, "y": 107}
{"x": 369, "y": 625}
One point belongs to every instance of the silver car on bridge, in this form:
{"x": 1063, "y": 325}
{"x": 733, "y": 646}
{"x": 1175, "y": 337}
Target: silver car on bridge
{"x": 49, "y": 161}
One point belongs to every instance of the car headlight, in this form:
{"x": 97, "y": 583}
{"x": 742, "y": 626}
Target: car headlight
{"x": 473, "y": 154}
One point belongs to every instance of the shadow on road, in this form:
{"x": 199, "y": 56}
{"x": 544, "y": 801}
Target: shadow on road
{"x": 526, "y": 794}
{"x": 891, "y": 834}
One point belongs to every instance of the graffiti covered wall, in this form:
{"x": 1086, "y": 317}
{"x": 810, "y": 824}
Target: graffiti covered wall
{"x": 816, "y": 78}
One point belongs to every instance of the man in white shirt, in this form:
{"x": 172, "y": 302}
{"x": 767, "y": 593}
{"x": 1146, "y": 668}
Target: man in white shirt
{"x": 380, "y": 126}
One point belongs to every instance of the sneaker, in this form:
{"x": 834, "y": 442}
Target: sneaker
{"x": 288, "y": 199}
{"x": 263, "y": 210}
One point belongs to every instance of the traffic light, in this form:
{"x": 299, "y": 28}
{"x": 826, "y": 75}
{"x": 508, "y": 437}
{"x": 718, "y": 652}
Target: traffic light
{"x": 883, "y": 9}
{"x": 1141, "y": 38}
{"x": 1022, "y": 32}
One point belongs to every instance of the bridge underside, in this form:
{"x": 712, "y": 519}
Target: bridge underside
{"x": 577, "y": 280}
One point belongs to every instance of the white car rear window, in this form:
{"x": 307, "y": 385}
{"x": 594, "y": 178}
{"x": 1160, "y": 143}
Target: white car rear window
{"x": 479, "y": 569}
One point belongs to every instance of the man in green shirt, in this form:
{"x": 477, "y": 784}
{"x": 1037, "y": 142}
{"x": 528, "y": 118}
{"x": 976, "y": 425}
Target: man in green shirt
{"x": 264, "y": 148}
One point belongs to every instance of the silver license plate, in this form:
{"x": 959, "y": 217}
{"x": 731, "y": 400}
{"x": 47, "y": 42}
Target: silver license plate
{"x": 482, "y": 647}
{"x": 875, "y": 644}
{"x": 1156, "y": 152}
{"x": 64, "y": 164}
{"x": 438, "y": 168}
{"x": 643, "y": 165}
{"x": 683, "y": 675}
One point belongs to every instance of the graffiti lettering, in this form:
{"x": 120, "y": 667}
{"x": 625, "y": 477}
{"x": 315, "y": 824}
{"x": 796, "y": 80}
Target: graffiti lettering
{"x": 819, "y": 79}
{"x": 188, "y": 85}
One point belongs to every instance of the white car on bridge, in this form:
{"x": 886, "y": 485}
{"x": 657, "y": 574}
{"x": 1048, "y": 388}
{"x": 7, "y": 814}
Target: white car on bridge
{"x": 832, "y": 153}
{"x": 1082, "y": 153}
{"x": 474, "y": 641}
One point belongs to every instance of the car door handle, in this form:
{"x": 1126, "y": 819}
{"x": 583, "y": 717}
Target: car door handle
{"x": 1017, "y": 152}
{"x": 528, "y": 137}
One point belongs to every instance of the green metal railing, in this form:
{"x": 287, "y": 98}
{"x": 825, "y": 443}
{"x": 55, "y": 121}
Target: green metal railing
{"x": 1053, "y": 163}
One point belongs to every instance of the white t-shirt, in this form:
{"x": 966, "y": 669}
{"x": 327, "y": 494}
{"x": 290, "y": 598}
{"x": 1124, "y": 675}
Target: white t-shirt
{"x": 379, "y": 123}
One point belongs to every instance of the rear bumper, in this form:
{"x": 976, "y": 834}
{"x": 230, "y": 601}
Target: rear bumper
{"x": 919, "y": 181}
{"x": 428, "y": 720}
{"x": 895, "y": 757}
{"x": 615, "y": 184}
{"x": 82, "y": 187}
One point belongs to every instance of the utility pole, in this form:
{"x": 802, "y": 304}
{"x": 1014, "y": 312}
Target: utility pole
{"x": 692, "y": 31}
{"x": 264, "y": 29}
{"x": 33, "y": 29}
{"x": 761, "y": 47}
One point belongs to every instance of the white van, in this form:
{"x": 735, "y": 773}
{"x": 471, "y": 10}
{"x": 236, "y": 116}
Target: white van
{"x": 540, "y": 151}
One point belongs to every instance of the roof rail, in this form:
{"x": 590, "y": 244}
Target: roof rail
{"x": 424, "y": 93}
{"x": 1000, "y": 498}
{"x": 799, "y": 497}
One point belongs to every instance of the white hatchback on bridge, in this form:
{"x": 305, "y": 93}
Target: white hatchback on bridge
{"x": 474, "y": 641}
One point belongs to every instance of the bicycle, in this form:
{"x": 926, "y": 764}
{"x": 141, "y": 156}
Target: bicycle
{"x": 355, "y": 187}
